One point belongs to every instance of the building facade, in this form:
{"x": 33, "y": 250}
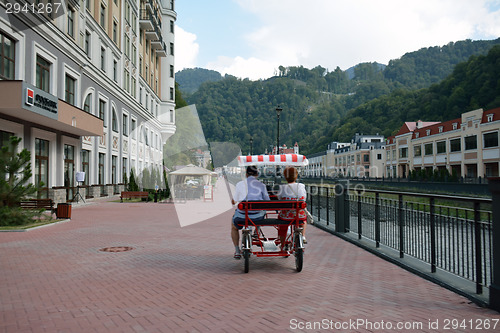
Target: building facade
{"x": 363, "y": 157}
{"x": 109, "y": 63}
{"x": 467, "y": 146}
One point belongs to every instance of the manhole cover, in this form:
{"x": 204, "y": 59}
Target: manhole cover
{"x": 116, "y": 249}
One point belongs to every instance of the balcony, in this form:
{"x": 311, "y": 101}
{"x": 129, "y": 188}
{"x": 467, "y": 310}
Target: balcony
{"x": 146, "y": 20}
{"x": 162, "y": 51}
{"x": 153, "y": 34}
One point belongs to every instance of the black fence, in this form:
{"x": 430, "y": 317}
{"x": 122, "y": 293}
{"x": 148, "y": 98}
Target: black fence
{"x": 451, "y": 233}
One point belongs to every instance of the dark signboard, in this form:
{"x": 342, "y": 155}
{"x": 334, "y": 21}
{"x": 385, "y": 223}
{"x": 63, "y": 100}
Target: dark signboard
{"x": 39, "y": 101}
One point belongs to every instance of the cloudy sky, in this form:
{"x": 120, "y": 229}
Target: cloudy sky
{"x": 251, "y": 38}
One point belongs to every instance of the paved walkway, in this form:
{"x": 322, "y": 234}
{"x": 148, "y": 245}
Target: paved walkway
{"x": 184, "y": 279}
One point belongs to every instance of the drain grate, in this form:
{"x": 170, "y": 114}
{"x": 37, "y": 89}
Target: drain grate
{"x": 116, "y": 249}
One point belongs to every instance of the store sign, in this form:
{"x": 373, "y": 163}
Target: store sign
{"x": 39, "y": 101}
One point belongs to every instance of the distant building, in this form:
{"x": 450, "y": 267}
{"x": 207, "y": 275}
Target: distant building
{"x": 362, "y": 157}
{"x": 467, "y": 146}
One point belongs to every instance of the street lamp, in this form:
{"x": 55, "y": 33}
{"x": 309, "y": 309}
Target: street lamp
{"x": 278, "y": 111}
{"x": 251, "y": 146}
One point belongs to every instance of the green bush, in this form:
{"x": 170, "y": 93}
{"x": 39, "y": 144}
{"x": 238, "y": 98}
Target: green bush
{"x": 15, "y": 216}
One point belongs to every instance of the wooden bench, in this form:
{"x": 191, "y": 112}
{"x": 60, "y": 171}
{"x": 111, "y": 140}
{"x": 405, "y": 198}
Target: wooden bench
{"x": 45, "y": 204}
{"x": 270, "y": 206}
{"x": 134, "y": 194}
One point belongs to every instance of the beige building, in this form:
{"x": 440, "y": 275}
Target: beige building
{"x": 100, "y": 74}
{"x": 363, "y": 157}
{"x": 467, "y": 146}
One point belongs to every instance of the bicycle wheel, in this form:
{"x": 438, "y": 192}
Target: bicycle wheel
{"x": 246, "y": 256}
{"x": 299, "y": 259}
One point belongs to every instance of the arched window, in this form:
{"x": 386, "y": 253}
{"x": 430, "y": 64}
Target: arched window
{"x": 114, "y": 121}
{"x": 87, "y": 104}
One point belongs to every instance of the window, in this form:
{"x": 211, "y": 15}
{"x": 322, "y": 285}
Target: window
{"x": 85, "y": 165}
{"x": 86, "y": 103}
{"x": 133, "y": 126}
{"x": 417, "y": 135}
{"x": 489, "y": 117}
{"x": 103, "y": 16}
{"x": 87, "y": 4}
{"x": 7, "y": 57}
{"x": 133, "y": 86}
{"x": 133, "y": 56}
{"x": 125, "y": 125}
{"x": 403, "y": 152}
{"x": 470, "y": 142}
{"x": 103, "y": 58}
{"x": 455, "y": 126}
{"x": 42, "y": 165}
{"x": 428, "y": 149}
{"x": 71, "y": 22}
{"x": 172, "y": 4}
{"x": 5, "y": 137}
{"x": 87, "y": 43}
{"x": 126, "y": 84}
{"x": 115, "y": 70}
{"x": 42, "y": 73}
{"x": 101, "y": 168}
{"x": 171, "y": 48}
{"x": 440, "y": 129}
{"x": 441, "y": 147}
{"x": 127, "y": 46}
{"x": 428, "y": 132}
{"x": 115, "y": 32}
{"x": 171, "y": 116}
{"x": 114, "y": 121}
{"x": 69, "y": 90}
{"x": 490, "y": 140}
{"x": 366, "y": 158}
{"x": 172, "y": 71}
{"x": 171, "y": 93}
{"x": 124, "y": 169}
{"x": 69, "y": 170}
{"x": 417, "y": 150}
{"x": 102, "y": 111}
{"x": 172, "y": 26}
{"x": 140, "y": 66}
{"x": 113, "y": 168}
{"x": 455, "y": 145}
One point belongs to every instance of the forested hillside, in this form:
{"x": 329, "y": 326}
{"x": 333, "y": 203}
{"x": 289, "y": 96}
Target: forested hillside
{"x": 321, "y": 106}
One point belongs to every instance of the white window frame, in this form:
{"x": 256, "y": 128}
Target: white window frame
{"x": 41, "y": 51}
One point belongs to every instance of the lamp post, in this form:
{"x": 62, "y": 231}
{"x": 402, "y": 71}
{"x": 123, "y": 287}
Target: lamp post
{"x": 278, "y": 111}
{"x": 251, "y": 146}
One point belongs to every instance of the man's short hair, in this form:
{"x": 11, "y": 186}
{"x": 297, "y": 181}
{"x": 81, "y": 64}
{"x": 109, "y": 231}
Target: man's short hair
{"x": 252, "y": 170}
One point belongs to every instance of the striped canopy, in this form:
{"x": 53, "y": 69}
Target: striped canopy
{"x": 284, "y": 159}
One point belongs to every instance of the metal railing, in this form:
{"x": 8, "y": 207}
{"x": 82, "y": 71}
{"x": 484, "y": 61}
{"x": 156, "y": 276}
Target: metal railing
{"x": 447, "y": 232}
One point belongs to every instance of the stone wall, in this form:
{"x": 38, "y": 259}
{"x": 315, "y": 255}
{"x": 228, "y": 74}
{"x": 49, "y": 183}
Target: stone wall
{"x": 58, "y": 195}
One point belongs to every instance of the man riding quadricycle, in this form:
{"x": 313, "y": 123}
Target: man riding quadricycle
{"x": 259, "y": 206}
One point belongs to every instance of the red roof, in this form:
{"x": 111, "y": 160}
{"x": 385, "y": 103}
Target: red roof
{"x": 434, "y": 129}
{"x": 494, "y": 112}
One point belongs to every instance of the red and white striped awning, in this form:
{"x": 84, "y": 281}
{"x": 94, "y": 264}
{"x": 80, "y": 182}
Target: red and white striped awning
{"x": 283, "y": 159}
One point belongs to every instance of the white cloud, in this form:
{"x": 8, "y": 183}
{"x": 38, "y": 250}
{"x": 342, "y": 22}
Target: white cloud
{"x": 186, "y": 49}
{"x": 345, "y": 32}
{"x": 251, "y": 68}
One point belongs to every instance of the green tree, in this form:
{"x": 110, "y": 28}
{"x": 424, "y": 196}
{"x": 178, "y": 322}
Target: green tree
{"x": 132, "y": 185}
{"x": 15, "y": 173}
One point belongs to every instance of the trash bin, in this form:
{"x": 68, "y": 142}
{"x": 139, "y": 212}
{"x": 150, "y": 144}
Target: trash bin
{"x": 63, "y": 211}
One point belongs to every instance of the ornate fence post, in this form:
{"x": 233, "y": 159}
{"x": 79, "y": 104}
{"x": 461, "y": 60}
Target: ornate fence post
{"x": 494, "y": 187}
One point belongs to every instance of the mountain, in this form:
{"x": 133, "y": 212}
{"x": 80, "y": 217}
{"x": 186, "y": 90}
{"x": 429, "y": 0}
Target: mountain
{"x": 190, "y": 79}
{"x": 321, "y": 106}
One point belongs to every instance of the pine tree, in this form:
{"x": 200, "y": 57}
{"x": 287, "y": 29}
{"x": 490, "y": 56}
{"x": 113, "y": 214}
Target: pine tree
{"x": 15, "y": 173}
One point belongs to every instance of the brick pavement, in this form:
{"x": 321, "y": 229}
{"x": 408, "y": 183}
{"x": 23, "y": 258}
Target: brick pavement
{"x": 56, "y": 279}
